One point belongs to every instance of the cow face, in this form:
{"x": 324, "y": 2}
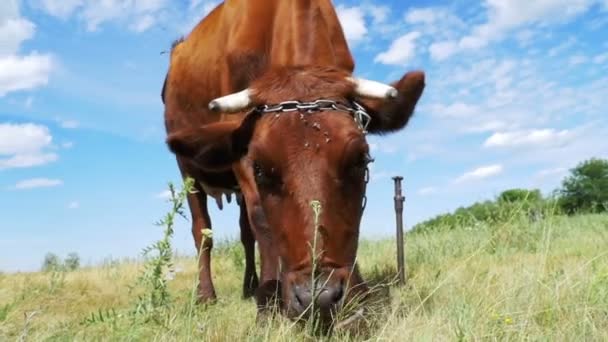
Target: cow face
{"x": 309, "y": 172}
{"x": 305, "y": 172}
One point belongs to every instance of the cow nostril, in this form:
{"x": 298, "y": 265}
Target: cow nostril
{"x": 303, "y": 297}
{"x": 299, "y": 300}
{"x": 330, "y": 297}
{"x": 338, "y": 295}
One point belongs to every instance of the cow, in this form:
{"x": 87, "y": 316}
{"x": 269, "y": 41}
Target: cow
{"x": 261, "y": 102}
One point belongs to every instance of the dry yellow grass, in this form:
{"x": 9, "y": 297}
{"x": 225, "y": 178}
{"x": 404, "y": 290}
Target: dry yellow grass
{"x": 519, "y": 281}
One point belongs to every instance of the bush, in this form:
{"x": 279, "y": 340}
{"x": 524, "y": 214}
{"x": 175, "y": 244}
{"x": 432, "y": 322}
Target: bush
{"x": 51, "y": 263}
{"x": 510, "y": 204}
{"x": 520, "y": 195}
{"x": 586, "y": 189}
{"x": 72, "y": 262}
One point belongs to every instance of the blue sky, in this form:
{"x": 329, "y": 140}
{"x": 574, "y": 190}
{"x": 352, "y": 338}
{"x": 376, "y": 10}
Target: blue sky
{"x": 516, "y": 95}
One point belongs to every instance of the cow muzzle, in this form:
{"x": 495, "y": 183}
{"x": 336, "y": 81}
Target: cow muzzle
{"x": 323, "y": 296}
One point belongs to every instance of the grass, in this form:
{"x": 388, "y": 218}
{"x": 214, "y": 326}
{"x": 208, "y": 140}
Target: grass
{"x": 544, "y": 281}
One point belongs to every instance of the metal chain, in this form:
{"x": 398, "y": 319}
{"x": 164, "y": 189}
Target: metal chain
{"x": 366, "y": 180}
{"x": 360, "y": 115}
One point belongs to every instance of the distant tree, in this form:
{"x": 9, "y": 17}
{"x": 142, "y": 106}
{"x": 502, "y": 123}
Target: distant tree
{"x": 72, "y": 262}
{"x": 519, "y": 195}
{"x": 586, "y": 188}
{"x": 51, "y": 263}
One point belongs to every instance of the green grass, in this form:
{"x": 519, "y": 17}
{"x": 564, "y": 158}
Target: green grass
{"x": 544, "y": 281}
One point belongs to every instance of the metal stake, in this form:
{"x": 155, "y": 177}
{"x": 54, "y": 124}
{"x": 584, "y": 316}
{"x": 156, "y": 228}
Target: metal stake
{"x": 399, "y": 199}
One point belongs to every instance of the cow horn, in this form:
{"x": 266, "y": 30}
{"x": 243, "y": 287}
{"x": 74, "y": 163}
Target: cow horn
{"x": 231, "y": 103}
{"x": 373, "y": 89}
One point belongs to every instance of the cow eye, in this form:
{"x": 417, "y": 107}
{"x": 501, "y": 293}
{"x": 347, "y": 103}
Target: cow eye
{"x": 266, "y": 178}
{"x": 363, "y": 161}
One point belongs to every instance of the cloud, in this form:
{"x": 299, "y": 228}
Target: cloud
{"x": 24, "y": 72}
{"x": 165, "y": 195}
{"x": 73, "y": 205}
{"x": 58, "y": 8}
{"x": 427, "y": 191}
{"x": 401, "y": 51}
{"x": 353, "y": 23}
{"x": 24, "y": 145}
{"x": 577, "y": 59}
{"x": 529, "y": 138}
{"x": 455, "y": 110}
{"x": 550, "y": 173}
{"x": 27, "y": 160}
{"x": 19, "y": 72}
{"x": 37, "y": 183}
{"x": 601, "y": 58}
{"x": 14, "y": 31}
{"x": 443, "y": 50}
{"x": 503, "y": 17}
{"x": 69, "y": 124}
{"x": 138, "y": 15}
{"x": 480, "y": 173}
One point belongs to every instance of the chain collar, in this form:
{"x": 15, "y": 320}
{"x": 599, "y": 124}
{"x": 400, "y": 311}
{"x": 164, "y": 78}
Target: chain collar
{"x": 361, "y": 117}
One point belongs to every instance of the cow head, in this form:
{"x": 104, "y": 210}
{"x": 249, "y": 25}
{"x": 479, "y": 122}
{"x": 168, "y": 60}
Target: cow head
{"x": 291, "y": 164}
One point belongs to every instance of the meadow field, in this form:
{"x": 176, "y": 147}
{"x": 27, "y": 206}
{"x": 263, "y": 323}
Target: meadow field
{"x": 543, "y": 281}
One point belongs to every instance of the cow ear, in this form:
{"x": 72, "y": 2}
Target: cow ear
{"x": 212, "y": 147}
{"x": 390, "y": 115}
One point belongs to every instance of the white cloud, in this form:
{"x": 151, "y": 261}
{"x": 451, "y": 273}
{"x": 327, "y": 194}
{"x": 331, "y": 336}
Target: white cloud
{"x": 427, "y": 191}
{"x": 67, "y": 145}
{"x": 24, "y": 72}
{"x": 14, "y": 31}
{"x": 480, "y": 173}
{"x": 353, "y": 23}
{"x": 23, "y": 138}
{"x": 143, "y": 23}
{"x": 69, "y": 124}
{"x": 74, "y": 205}
{"x": 601, "y": 58}
{"x": 529, "y": 138}
{"x": 503, "y": 18}
{"x": 442, "y": 50}
{"x": 577, "y": 59}
{"x": 18, "y": 72}
{"x": 139, "y": 15}
{"x": 165, "y": 195}
{"x": 38, "y": 183}
{"x": 58, "y": 8}
{"x": 564, "y": 46}
{"x": 554, "y": 172}
{"x": 455, "y": 110}
{"x": 379, "y": 13}
{"x": 27, "y": 160}
{"x": 427, "y": 15}
{"x": 24, "y": 145}
{"x": 401, "y": 51}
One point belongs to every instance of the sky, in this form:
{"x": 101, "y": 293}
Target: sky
{"x": 516, "y": 95}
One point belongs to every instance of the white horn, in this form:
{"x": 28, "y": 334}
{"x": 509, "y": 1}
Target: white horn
{"x": 373, "y": 89}
{"x": 231, "y": 103}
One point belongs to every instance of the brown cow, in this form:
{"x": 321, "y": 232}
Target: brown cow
{"x": 222, "y": 87}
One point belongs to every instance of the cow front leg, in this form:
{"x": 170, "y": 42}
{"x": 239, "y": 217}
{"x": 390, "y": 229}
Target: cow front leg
{"x": 204, "y": 243}
{"x": 250, "y": 279}
{"x": 268, "y": 294}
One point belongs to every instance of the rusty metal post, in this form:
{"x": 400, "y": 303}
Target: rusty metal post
{"x": 399, "y": 199}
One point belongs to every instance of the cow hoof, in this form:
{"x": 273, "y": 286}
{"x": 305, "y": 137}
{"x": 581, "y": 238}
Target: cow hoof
{"x": 268, "y": 296}
{"x": 249, "y": 287}
{"x": 204, "y": 298}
